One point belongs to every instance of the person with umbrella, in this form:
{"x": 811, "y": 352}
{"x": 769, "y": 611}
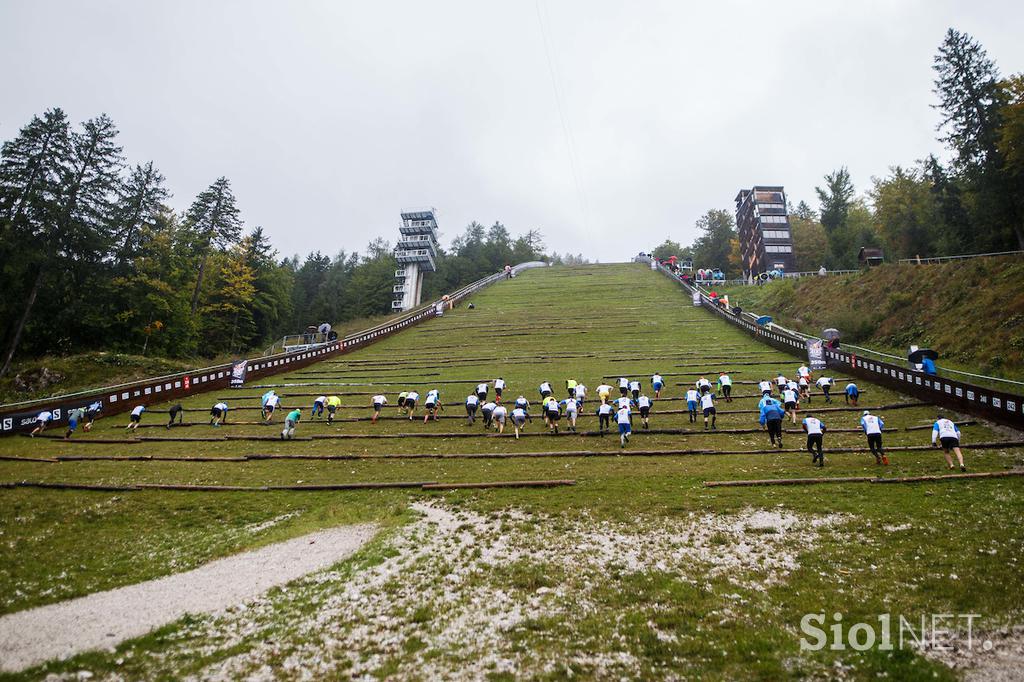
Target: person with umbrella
{"x": 925, "y": 358}
{"x": 831, "y": 336}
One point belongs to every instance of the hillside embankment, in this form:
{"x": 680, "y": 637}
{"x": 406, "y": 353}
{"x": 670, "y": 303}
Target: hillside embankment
{"x": 971, "y": 312}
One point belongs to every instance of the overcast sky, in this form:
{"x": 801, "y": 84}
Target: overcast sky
{"x": 331, "y": 116}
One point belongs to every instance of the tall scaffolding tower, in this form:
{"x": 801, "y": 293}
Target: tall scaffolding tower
{"x": 415, "y": 252}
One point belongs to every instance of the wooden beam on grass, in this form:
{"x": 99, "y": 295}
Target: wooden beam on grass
{"x": 499, "y": 484}
{"x": 938, "y": 478}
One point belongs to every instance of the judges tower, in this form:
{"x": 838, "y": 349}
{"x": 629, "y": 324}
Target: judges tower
{"x": 415, "y": 252}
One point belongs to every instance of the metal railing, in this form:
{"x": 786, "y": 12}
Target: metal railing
{"x": 946, "y": 259}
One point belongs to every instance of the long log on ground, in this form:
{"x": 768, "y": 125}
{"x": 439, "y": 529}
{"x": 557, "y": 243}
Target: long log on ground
{"x": 93, "y": 441}
{"x": 787, "y": 481}
{"x": 136, "y": 487}
{"x": 928, "y": 427}
{"x": 499, "y": 484}
{"x": 864, "y": 479}
{"x": 148, "y": 458}
{"x": 616, "y": 452}
{"x": 15, "y": 458}
{"x": 75, "y": 486}
{"x": 190, "y": 439}
{"x": 946, "y": 477}
{"x": 352, "y": 486}
{"x": 270, "y": 438}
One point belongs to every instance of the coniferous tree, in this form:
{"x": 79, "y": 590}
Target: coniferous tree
{"x": 31, "y": 168}
{"x": 713, "y": 249}
{"x": 141, "y": 198}
{"x": 967, "y": 86}
{"x": 69, "y": 229}
{"x": 836, "y": 198}
{"x": 213, "y": 221}
{"x": 972, "y": 102}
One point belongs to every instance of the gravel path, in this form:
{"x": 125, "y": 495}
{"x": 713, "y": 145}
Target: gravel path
{"x": 104, "y": 619}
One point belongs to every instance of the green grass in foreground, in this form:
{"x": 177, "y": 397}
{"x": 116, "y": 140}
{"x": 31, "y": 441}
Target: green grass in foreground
{"x": 896, "y": 550}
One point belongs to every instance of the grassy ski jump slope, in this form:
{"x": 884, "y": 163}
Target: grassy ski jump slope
{"x": 638, "y": 570}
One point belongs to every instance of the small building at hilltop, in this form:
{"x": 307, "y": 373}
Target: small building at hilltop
{"x": 869, "y": 256}
{"x": 766, "y": 242}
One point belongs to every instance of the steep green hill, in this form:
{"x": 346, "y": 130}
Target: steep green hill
{"x": 971, "y": 312}
{"x": 638, "y": 571}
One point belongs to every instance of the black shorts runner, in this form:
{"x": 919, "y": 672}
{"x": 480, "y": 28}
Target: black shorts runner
{"x": 554, "y": 415}
{"x": 708, "y": 411}
{"x": 790, "y": 405}
{"x": 215, "y": 412}
{"x": 497, "y": 391}
{"x": 410, "y": 403}
{"x": 645, "y": 411}
{"x": 332, "y": 408}
{"x": 470, "y": 409}
{"x": 401, "y": 402}
{"x": 949, "y": 442}
{"x": 135, "y": 418}
{"x": 377, "y": 407}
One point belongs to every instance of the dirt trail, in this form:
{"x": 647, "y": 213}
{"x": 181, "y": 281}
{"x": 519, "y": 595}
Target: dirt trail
{"x": 105, "y": 619}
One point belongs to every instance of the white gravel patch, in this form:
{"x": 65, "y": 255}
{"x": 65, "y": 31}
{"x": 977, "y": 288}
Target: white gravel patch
{"x": 460, "y": 588}
{"x": 993, "y": 655}
{"x": 104, "y": 619}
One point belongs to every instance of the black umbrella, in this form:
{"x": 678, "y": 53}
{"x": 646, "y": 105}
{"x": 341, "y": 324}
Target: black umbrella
{"x": 921, "y": 353}
{"x": 831, "y": 333}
